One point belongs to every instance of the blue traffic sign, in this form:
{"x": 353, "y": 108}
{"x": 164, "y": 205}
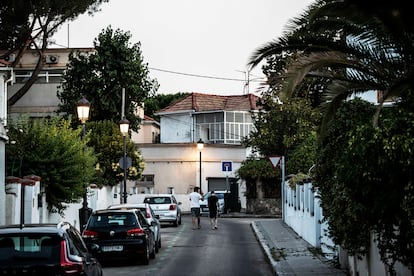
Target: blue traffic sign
{"x": 227, "y": 166}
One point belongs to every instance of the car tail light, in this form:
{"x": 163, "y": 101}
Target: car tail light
{"x": 173, "y": 207}
{"x": 89, "y": 234}
{"x": 69, "y": 267}
{"x": 135, "y": 232}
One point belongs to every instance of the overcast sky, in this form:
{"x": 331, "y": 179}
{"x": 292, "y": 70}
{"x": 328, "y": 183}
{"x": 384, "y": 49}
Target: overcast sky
{"x": 203, "y": 45}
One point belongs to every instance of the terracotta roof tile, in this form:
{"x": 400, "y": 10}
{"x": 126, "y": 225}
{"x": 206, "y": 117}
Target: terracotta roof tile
{"x": 208, "y": 102}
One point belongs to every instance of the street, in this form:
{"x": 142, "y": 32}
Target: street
{"x": 230, "y": 250}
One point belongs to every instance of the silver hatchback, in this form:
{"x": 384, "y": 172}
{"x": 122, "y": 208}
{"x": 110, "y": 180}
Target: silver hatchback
{"x": 166, "y": 207}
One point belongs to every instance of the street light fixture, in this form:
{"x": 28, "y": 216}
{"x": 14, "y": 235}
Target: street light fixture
{"x": 200, "y": 146}
{"x": 83, "y": 107}
{"x": 124, "y": 126}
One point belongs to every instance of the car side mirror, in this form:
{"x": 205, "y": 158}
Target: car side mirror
{"x": 179, "y": 203}
{"x": 157, "y": 216}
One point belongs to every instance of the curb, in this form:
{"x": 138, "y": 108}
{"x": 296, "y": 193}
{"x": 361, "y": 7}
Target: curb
{"x": 264, "y": 245}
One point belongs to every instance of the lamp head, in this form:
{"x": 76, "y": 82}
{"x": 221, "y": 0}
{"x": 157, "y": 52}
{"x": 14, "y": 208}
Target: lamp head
{"x": 200, "y": 144}
{"x": 83, "y": 108}
{"x": 124, "y": 126}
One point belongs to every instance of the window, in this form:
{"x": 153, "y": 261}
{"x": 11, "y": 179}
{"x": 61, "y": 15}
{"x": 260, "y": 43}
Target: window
{"x": 224, "y": 127}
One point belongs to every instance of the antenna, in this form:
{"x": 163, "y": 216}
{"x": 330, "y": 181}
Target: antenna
{"x": 68, "y": 35}
{"x": 246, "y": 81}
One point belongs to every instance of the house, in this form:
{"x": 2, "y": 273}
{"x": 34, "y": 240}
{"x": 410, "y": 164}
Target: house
{"x": 41, "y": 99}
{"x": 5, "y": 78}
{"x": 175, "y": 165}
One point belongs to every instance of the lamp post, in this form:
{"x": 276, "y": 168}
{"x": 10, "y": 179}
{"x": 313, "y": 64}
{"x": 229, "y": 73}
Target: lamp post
{"x": 83, "y": 108}
{"x": 200, "y": 146}
{"x": 124, "y": 126}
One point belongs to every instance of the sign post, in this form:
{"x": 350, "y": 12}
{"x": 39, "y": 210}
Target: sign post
{"x": 226, "y": 167}
{"x": 276, "y": 161}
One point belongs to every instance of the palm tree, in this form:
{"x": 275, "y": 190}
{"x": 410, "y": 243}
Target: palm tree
{"x": 353, "y": 46}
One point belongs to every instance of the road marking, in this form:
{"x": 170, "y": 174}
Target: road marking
{"x": 166, "y": 251}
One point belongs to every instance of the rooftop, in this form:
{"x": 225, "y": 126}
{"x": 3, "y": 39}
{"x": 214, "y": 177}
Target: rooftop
{"x": 199, "y": 102}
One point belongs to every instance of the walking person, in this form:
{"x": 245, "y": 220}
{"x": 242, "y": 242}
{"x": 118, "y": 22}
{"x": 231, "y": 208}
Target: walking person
{"x": 195, "y": 198}
{"x": 213, "y": 210}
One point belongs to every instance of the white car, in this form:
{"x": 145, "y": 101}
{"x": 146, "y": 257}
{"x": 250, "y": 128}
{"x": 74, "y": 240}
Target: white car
{"x": 166, "y": 207}
{"x": 204, "y": 203}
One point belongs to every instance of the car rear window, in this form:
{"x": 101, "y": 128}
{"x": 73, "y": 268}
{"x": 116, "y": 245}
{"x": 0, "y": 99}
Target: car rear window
{"x": 158, "y": 200}
{"x": 218, "y": 195}
{"x": 30, "y": 246}
{"x": 113, "y": 219}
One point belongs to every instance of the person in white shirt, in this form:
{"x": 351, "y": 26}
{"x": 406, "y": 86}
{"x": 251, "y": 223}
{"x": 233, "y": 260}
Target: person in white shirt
{"x": 195, "y": 198}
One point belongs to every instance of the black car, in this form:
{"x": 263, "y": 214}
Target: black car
{"x": 45, "y": 249}
{"x": 120, "y": 234}
{"x": 149, "y": 214}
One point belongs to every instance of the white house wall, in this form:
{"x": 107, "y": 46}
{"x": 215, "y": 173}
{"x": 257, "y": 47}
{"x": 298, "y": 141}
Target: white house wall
{"x": 3, "y": 137}
{"x": 42, "y": 97}
{"x": 177, "y": 129}
{"x": 177, "y": 165}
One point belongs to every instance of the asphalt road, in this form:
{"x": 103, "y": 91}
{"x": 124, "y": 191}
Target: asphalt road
{"x": 230, "y": 250}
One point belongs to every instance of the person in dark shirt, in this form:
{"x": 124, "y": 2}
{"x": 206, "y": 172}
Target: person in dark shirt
{"x": 213, "y": 209}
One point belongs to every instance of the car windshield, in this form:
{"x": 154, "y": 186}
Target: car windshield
{"x": 29, "y": 246}
{"x": 218, "y": 195}
{"x": 112, "y": 219}
{"x": 158, "y": 200}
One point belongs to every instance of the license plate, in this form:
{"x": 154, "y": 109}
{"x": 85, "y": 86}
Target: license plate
{"x": 112, "y": 248}
{"x": 205, "y": 209}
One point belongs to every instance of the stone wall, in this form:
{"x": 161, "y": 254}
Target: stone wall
{"x": 264, "y": 206}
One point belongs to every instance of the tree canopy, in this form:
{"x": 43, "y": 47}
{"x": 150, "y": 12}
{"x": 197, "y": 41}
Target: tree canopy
{"x": 51, "y": 149}
{"x": 31, "y": 24}
{"x": 107, "y": 140}
{"x": 101, "y": 76}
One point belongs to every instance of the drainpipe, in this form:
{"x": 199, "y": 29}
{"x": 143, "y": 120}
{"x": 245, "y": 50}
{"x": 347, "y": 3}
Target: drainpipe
{"x": 4, "y": 115}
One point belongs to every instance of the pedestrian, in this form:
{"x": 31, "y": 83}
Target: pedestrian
{"x": 195, "y": 198}
{"x": 213, "y": 210}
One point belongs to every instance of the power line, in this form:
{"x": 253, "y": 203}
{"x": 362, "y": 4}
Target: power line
{"x": 195, "y": 75}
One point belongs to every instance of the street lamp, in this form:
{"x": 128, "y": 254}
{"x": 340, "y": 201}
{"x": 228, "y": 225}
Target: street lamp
{"x": 200, "y": 146}
{"x": 83, "y": 108}
{"x": 124, "y": 126}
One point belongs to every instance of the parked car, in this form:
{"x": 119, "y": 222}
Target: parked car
{"x": 204, "y": 203}
{"x": 149, "y": 214}
{"x": 120, "y": 234}
{"x": 166, "y": 207}
{"x": 45, "y": 249}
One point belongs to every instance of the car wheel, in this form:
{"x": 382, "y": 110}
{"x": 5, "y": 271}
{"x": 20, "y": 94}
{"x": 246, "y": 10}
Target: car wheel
{"x": 159, "y": 243}
{"x": 179, "y": 220}
{"x": 153, "y": 251}
{"x": 156, "y": 247}
{"x": 146, "y": 257}
{"x": 175, "y": 223}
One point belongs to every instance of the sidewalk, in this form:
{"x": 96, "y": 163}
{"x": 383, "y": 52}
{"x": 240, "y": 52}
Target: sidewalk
{"x": 287, "y": 253}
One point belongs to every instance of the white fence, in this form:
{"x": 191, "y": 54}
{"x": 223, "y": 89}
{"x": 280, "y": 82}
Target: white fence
{"x": 35, "y": 208}
{"x": 302, "y": 212}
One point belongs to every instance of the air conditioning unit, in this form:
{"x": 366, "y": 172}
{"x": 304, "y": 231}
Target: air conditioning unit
{"x": 50, "y": 59}
{"x": 10, "y": 58}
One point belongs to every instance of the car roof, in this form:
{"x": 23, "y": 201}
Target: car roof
{"x": 158, "y": 195}
{"x": 105, "y": 211}
{"x": 49, "y": 228}
{"x": 128, "y": 206}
